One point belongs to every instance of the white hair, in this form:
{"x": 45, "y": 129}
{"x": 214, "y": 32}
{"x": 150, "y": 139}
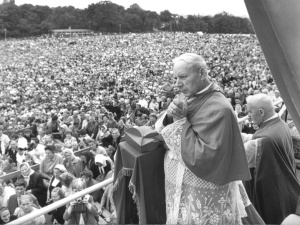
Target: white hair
{"x": 191, "y": 58}
{"x": 261, "y": 101}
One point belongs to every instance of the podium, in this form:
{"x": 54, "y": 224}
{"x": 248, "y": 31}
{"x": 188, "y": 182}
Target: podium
{"x": 139, "y": 187}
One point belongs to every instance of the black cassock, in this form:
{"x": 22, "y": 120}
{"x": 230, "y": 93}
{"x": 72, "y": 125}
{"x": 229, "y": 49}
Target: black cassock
{"x": 274, "y": 186}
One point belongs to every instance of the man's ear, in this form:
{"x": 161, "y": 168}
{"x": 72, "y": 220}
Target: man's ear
{"x": 262, "y": 112}
{"x": 202, "y": 73}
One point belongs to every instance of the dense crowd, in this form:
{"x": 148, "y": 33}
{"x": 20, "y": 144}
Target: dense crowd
{"x": 59, "y": 95}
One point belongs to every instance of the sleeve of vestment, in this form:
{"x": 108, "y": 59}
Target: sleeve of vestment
{"x": 212, "y": 147}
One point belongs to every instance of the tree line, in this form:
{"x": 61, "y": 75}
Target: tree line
{"x": 107, "y": 17}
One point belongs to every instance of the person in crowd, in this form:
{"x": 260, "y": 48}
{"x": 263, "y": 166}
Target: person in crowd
{"x": 22, "y": 141}
{"x": 38, "y": 151}
{"x": 88, "y": 162}
{"x": 116, "y": 139}
{"x": 12, "y": 151}
{"x": 49, "y": 139}
{"x": 48, "y": 164}
{"x": 104, "y": 166}
{"x": 69, "y": 140}
{"x": 90, "y": 125}
{"x": 20, "y": 156}
{"x": 107, "y": 204}
{"x": 152, "y": 121}
{"x": 274, "y": 150}
{"x": 55, "y": 179}
{"x": 36, "y": 123}
{"x": 4, "y": 141}
{"x": 105, "y": 122}
{"x": 9, "y": 166}
{"x": 5, "y": 192}
{"x": 66, "y": 118}
{"x": 80, "y": 211}
{"x": 14, "y": 200}
{"x": 94, "y": 148}
{"x": 6, "y": 216}
{"x": 34, "y": 183}
{"x": 87, "y": 176}
{"x": 112, "y": 122}
{"x": 143, "y": 102}
{"x": 103, "y": 133}
{"x": 198, "y": 119}
{"x": 138, "y": 120}
{"x": 71, "y": 162}
{"x": 53, "y": 127}
{"x": 28, "y": 135}
{"x": 29, "y": 159}
{"x": 97, "y": 124}
{"x": 41, "y": 136}
{"x": 123, "y": 125}
{"x": 76, "y": 119}
{"x": 57, "y": 214}
{"x": 154, "y": 106}
{"x": 26, "y": 207}
{"x": 66, "y": 180}
{"x": 144, "y": 120}
{"x": 83, "y": 139}
{"x": 129, "y": 115}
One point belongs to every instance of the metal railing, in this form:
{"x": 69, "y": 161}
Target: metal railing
{"x": 61, "y": 202}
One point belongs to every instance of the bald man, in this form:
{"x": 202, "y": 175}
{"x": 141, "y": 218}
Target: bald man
{"x": 275, "y": 185}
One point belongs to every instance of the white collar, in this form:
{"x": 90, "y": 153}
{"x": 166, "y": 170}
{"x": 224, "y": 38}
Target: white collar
{"x": 200, "y": 92}
{"x": 273, "y": 117}
{"x": 205, "y": 89}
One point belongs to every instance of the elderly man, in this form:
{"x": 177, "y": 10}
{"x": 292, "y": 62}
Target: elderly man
{"x": 206, "y": 159}
{"x": 275, "y": 185}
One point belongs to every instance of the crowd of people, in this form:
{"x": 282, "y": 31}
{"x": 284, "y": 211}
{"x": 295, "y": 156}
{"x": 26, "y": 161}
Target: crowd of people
{"x": 63, "y": 94}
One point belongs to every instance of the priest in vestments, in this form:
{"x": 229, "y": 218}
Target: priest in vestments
{"x": 206, "y": 161}
{"x": 275, "y": 186}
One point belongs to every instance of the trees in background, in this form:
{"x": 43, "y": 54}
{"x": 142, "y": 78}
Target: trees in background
{"x": 108, "y": 17}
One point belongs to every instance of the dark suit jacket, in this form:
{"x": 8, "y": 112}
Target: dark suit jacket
{"x": 12, "y": 204}
{"x": 36, "y": 185}
{"x": 58, "y": 214}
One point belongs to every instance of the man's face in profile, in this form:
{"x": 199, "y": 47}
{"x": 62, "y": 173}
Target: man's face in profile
{"x": 188, "y": 78}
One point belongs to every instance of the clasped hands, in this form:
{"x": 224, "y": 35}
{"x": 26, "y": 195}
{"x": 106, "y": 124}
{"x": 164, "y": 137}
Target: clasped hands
{"x": 177, "y": 109}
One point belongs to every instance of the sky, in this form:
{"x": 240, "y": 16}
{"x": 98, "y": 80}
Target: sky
{"x": 181, "y": 7}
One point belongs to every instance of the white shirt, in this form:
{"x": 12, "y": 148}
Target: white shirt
{"x": 7, "y": 192}
{"x": 22, "y": 142}
{"x": 143, "y": 103}
{"x": 153, "y": 106}
{"x": 20, "y": 159}
{"x": 4, "y": 140}
{"x": 38, "y": 154}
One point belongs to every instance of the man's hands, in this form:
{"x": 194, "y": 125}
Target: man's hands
{"x": 177, "y": 109}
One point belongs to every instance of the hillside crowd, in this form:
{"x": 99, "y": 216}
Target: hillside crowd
{"x": 59, "y": 95}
